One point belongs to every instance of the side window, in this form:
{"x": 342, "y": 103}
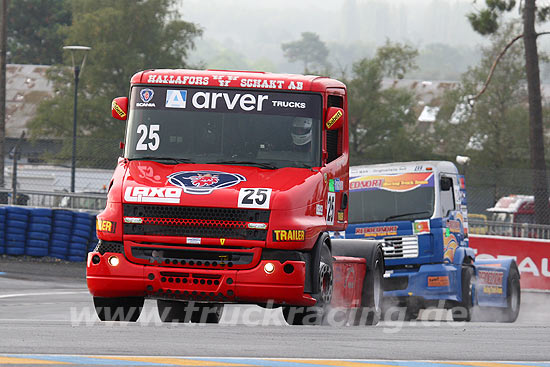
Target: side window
{"x": 447, "y": 195}
{"x": 334, "y": 137}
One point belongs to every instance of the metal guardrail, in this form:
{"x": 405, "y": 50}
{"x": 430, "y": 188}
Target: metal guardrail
{"x": 48, "y": 199}
{"x": 494, "y": 228}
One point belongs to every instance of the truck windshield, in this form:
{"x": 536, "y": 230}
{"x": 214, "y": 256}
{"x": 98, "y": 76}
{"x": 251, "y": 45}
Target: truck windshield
{"x": 391, "y": 198}
{"x": 192, "y": 125}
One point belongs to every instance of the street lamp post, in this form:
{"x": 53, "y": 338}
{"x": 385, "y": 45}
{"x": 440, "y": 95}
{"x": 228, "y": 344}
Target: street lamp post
{"x": 75, "y": 50}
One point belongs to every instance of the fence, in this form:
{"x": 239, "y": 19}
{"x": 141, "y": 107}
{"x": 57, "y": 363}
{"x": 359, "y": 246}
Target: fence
{"x": 493, "y": 228}
{"x": 88, "y": 201}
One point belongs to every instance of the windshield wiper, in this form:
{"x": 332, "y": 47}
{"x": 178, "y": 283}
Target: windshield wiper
{"x": 404, "y": 215}
{"x": 162, "y": 159}
{"x": 248, "y": 163}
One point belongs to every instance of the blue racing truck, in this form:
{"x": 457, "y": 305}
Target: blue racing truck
{"x": 419, "y": 210}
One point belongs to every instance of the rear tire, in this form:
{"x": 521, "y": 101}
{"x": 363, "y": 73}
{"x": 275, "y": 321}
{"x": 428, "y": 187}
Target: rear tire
{"x": 373, "y": 291}
{"x": 315, "y": 315}
{"x": 513, "y": 295}
{"x": 372, "y": 294}
{"x": 118, "y": 309}
{"x": 462, "y": 311}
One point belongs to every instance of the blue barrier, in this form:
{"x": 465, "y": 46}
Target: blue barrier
{"x": 58, "y": 233}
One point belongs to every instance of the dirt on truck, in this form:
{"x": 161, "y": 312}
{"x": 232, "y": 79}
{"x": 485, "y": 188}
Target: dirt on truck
{"x": 226, "y": 191}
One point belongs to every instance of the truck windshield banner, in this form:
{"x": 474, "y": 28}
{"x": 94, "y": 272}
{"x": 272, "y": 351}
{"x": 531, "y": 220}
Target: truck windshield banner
{"x": 395, "y": 183}
{"x": 227, "y": 100}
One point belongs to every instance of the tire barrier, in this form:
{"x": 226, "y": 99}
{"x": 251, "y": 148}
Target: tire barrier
{"x": 58, "y": 233}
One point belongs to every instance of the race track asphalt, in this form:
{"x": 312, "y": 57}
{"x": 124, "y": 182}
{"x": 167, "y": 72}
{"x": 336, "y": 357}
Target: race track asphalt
{"x": 45, "y": 309}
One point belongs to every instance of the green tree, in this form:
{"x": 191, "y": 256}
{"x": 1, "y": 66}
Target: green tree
{"x": 396, "y": 59}
{"x": 486, "y": 22}
{"x": 310, "y": 50}
{"x": 125, "y": 37}
{"x": 382, "y": 121}
{"x": 495, "y": 133}
{"x": 33, "y": 31}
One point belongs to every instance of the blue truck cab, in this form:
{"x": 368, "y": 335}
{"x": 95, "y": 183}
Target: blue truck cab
{"x": 419, "y": 210}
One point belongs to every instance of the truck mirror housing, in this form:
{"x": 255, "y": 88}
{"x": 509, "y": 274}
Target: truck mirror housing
{"x": 335, "y": 118}
{"x": 119, "y": 108}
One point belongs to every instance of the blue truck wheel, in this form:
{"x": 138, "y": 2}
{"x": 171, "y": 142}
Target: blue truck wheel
{"x": 513, "y": 295}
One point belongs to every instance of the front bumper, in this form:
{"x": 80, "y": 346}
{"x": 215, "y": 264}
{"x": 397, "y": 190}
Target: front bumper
{"x": 255, "y": 285}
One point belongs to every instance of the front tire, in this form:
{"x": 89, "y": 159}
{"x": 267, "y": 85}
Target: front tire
{"x": 118, "y": 309}
{"x": 315, "y": 315}
{"x": 462, "y": 311}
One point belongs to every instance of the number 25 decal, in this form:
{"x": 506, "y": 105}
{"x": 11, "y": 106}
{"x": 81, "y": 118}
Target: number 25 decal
{"x": 254, "y": 198}
{"x": 146, "y": 132}
{"x": 330, "y": 208}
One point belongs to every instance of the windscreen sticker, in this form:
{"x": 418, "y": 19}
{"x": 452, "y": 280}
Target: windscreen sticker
{"x": 176, "y": 98}
{"x": 254, "y": 198}
{"x": 204, "y": 182}
{"x": 229, "y": 101}
{"x": 396, "y": 183}
{"x": 146, "y": 95}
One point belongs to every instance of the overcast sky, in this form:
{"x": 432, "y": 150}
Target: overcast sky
{"x": 253, "y": 30}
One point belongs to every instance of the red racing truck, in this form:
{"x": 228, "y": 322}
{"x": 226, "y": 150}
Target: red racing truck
{"x": 226, "y": 192}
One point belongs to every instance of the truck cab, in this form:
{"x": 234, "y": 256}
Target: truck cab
{"x": 227, "y": 187}
{"x": 419, "y": 210}
{"x": 514, "y": 215}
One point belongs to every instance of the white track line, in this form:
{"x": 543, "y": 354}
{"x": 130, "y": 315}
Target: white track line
{"x": 40, "y": 294}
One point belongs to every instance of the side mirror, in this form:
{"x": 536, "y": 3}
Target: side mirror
{"x": 335, "y": 118}
{"x": 119, "y": 108}
{"x": 445, "y": 183}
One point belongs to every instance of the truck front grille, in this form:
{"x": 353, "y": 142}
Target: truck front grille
{"x": 400, "y": 247}
{"x": 159, "y": 220}
{"x": 195, "y": 258}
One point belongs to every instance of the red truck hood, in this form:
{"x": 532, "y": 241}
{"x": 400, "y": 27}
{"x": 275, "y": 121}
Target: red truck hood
{"x": 147, "y": 182}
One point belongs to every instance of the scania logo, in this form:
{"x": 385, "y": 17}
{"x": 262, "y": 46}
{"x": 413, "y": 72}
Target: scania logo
{"x": 204, "y": 182}
{"x": 146, "y": 95}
